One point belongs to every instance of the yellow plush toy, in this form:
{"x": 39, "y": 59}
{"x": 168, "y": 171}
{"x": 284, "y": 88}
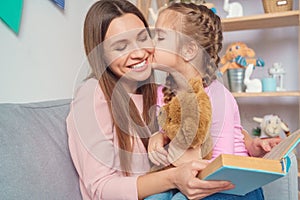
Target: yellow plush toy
{"x": 239, "y": 55}
{"x": 186, "y": 121}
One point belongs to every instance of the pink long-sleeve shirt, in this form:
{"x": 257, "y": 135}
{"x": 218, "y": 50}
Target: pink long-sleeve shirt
{"x": 94, "y": 147}
{"x": 226, "y": 129}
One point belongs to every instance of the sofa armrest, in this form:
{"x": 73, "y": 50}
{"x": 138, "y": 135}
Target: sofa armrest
{"x": 285, "y": 187}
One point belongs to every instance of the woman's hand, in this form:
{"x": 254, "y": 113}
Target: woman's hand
{"x": 157, "y": 153}
{"x": 185, "y": 179}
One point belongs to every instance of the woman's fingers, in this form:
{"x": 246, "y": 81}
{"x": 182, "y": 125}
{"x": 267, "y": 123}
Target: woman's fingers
{"x": 192, "y": 186}
{"x": 201, "y": 189}
{"x": 212, "y": 185}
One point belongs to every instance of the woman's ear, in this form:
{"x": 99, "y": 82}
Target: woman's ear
{"x": 189, "y": 51}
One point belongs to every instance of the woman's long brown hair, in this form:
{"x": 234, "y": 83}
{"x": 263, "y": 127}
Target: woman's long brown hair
{"x": 96, "y": 24}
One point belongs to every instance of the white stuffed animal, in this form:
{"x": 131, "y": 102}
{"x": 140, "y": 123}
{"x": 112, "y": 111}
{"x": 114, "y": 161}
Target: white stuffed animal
{"x": 234, "y": 9}
{"x": 252, "y": 85}
{"x": 271, "y": 126}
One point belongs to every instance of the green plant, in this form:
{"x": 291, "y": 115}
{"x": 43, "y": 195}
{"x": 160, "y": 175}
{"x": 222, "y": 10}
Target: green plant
{"x": 256, "y": 131}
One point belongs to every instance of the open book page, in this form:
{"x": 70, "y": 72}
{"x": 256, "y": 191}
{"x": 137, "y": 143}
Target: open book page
{"x": 285, "y": 146}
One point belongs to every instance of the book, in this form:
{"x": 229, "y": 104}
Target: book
{"x": 250, "y": 173}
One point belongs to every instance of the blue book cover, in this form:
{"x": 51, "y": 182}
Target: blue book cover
{"x": 250, "y": 173}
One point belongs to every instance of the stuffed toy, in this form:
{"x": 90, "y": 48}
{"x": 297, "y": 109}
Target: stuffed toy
{"x": 239, "y": 55}
{"x": 270, "y": 126}
{"x": 186, "y": 121}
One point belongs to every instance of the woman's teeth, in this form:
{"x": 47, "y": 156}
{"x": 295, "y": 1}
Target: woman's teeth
{"x": 140, "y": 65}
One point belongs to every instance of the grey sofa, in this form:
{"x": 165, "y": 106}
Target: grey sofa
{"x": 35, "y": 160}
{"x": 35, "y": 163}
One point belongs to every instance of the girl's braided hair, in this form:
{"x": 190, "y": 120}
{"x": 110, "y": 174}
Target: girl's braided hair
{"x": 202, "y": 25}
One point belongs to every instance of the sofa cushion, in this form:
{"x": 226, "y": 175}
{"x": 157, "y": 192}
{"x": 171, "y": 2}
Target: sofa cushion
{"x": 35, "y": 160}
{"x": 285, "y": 187}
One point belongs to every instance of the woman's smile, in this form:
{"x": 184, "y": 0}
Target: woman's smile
{"x": 140, "y": 66}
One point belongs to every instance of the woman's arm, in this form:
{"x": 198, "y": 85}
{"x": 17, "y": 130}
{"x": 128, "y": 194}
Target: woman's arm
{"x": 182, "y": 177}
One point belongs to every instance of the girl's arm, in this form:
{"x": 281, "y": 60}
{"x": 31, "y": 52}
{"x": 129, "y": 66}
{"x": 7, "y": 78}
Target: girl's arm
{"x": 156, "y": 152}
{"x": 225, "y": 127}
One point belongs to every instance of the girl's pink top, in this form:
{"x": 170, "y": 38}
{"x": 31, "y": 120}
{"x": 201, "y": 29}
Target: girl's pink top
{"x": 226, "y": 129}
{"x": 94, "y": 147}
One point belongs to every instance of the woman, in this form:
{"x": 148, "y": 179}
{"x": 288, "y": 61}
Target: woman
{"x": 111, "y": 115}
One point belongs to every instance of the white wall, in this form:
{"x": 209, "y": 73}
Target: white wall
{"x": 42, "y": 61}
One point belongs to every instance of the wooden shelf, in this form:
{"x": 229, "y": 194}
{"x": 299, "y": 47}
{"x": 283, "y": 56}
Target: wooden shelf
{"x": 269, "y": 20}
{"x": 267, "y": 94}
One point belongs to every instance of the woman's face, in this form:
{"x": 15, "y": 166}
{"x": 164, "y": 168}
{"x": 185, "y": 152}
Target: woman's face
{"x": 129, "y": 48}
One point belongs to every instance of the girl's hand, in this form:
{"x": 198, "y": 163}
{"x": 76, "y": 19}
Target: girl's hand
{"x": 185, "y": 179}
{"x": 259, "y": 147}
{"x": 157, "y": 153}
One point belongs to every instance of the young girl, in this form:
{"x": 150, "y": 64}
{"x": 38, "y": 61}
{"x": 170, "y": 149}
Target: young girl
{"x": 111, "y": 118}
{"x": 188, "y": 40}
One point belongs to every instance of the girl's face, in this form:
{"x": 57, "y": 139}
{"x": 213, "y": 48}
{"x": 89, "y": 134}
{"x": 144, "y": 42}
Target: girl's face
{"x": 173, "y": 52}
{"x": 167, "y": 50}
{"x": 129, "y": 48}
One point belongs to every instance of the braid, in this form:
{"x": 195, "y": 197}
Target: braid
{"x": 204, "y": 26}
{"x": 169, "y": 90}
{"x": 212, "y": 30}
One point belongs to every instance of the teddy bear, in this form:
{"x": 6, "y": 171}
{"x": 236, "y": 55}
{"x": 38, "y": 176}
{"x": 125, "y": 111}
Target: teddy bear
{"x": 239, "y": 55}
{"x": 186, "y": 121}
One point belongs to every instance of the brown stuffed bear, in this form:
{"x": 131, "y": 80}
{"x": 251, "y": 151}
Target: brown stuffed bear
{"x": 186, "y": 121}
{"x": 239, "y": 55}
